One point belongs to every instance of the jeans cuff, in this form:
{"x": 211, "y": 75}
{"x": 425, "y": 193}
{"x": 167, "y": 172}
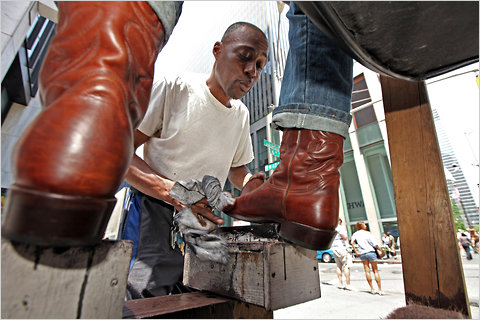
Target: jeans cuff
{"x": 312, "y": 117}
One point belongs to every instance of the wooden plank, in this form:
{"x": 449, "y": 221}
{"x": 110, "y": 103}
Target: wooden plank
{"x": 196, "y": 305}
{"x": 150, "y": 307}
{"x": 259, "y": 270}
{"x": 81, "y": 282}
{"x": 432, "y": 267}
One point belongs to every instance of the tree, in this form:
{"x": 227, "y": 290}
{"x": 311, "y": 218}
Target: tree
{"x": 457, "y": 217}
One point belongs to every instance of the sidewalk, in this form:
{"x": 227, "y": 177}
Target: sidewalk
{"x": 396, "y": 260}
{"x": 338, "y": 303}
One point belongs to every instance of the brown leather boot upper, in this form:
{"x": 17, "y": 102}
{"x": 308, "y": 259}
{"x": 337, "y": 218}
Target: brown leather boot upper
{"x": 95, "y": 86}
{"x": 304, "y": 187}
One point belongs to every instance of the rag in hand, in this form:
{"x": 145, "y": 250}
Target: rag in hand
{"x": 199, "y": 237}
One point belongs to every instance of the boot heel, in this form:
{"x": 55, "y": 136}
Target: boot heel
{"x": 306, "y": 236}
{"x": 49, "y": 219}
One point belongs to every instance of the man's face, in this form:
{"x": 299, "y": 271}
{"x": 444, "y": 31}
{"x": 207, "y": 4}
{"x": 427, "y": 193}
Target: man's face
{"x": 240, "y": 61}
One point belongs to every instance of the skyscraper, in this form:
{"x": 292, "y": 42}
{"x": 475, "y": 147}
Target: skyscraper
{"x": 457, "y": 185}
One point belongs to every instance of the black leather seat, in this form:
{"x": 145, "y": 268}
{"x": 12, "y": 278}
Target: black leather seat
{"x": 413, "y": 40}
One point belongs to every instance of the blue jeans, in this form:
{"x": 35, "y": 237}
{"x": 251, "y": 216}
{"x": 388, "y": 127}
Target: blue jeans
{"x": 317, "y": 84}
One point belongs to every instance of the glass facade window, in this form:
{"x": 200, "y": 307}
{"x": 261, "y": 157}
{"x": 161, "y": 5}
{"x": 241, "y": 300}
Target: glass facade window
{"x": 251, "y": 165}
{"x": 262, "y": 152}
{"x": 360, "y": 97}
{"x": 354, "y": 205}
{"x": 382, "y": 182}
{"x": 364, "y": 117}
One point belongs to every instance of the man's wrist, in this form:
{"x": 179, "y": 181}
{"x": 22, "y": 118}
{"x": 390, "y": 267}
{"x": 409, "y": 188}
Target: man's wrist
{"x": 246, "y": 178}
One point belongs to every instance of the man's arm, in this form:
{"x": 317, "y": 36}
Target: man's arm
{"x": 352, "y": 242}
{"x": 143, "y": 178}
{"x": 239, "y": 176}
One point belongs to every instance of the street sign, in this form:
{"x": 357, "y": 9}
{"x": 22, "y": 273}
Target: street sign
{"x": 271, "y": 166}
{"x": 274, "y": 152}
{"x": 270, "y": 145}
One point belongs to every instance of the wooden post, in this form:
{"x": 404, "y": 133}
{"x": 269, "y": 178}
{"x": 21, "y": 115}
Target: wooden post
{"x": 432, "y": 267}
{"x": 81, "y": 282}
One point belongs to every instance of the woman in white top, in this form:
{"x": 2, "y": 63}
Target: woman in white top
{"x": 364, "y": 245}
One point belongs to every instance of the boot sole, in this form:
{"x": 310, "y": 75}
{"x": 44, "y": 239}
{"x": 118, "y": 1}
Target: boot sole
{"x": 49, "y": 219}
{"x": 307, "y": 236}
{"x": 297, "y": 233}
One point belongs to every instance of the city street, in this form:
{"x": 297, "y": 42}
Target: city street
{"x": 337, "y": 303}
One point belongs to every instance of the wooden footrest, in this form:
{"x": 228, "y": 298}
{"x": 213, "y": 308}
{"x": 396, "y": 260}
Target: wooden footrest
{"x": 261, "y": 269}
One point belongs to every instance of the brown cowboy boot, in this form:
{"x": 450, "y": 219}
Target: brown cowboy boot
{"x": 95, "y": 86}
{"x": 302, "y": 193}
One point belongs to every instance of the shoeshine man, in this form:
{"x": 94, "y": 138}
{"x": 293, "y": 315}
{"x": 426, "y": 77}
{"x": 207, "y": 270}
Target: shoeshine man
{"x": 194, "y": 126}
{"x": 95, "y": 86}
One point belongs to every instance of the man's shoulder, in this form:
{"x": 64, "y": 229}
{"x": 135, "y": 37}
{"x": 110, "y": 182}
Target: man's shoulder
{"x": 188, "y": 79}
{"x": 341, "y": 229}
{"x": 240, "y": 105}
{"x": 191, "y": 77}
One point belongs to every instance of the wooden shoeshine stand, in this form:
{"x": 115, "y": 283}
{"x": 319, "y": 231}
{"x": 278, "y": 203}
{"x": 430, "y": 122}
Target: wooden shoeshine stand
{"x": 91, "y": 282}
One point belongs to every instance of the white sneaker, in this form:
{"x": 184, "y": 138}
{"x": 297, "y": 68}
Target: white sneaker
{"x": 380, "y": 293}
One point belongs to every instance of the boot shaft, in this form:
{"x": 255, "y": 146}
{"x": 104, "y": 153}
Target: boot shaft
{"x": 310, "y": 160}
{"x": 115, "y": 40}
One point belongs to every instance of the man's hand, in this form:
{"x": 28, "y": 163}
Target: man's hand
{"x": 254, "y": 182}
{"x": 202, "y": 209}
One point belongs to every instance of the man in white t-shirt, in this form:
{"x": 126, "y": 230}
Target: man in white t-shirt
{"x": 342, "y": 257}
{"x": 194, "y": 126}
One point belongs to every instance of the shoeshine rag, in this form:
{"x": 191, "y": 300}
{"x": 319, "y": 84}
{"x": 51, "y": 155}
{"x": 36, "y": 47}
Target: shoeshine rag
{"x": 196, "y": 231}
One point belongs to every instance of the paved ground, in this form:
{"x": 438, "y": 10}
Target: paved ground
{"x": 337, "y": 303}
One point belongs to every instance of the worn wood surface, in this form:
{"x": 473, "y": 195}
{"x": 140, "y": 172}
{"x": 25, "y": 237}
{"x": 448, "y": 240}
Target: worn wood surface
{"x": 199, "y": 305}
{"x": 260, "y": 269}
{"x": 82, "y": 282}
{"x": 432, "y": 268}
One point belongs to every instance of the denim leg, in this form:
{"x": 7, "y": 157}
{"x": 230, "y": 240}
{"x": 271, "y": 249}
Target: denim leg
{"x": 316, "y": 89}
{"x": 168, "y": 13}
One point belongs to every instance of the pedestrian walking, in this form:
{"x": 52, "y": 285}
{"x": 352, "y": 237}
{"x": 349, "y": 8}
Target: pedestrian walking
{"x": 465, "y": 243}
{"x": 364, "y": 245}
{"x": 386, "y": 245}
{"x": 342, "y": 257}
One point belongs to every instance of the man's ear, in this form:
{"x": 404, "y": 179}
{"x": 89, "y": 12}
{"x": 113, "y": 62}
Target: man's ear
{"x": 217, "y": 48}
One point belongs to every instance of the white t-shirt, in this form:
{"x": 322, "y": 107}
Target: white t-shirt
{"x": 192, "y": 133}
{"x": 338, "y": 242}
{"x": 365, "y": 241}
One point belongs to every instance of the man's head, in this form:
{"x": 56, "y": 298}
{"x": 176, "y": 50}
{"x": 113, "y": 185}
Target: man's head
{"x": 339, "y": 221}
{"x": 240, "y": 58}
